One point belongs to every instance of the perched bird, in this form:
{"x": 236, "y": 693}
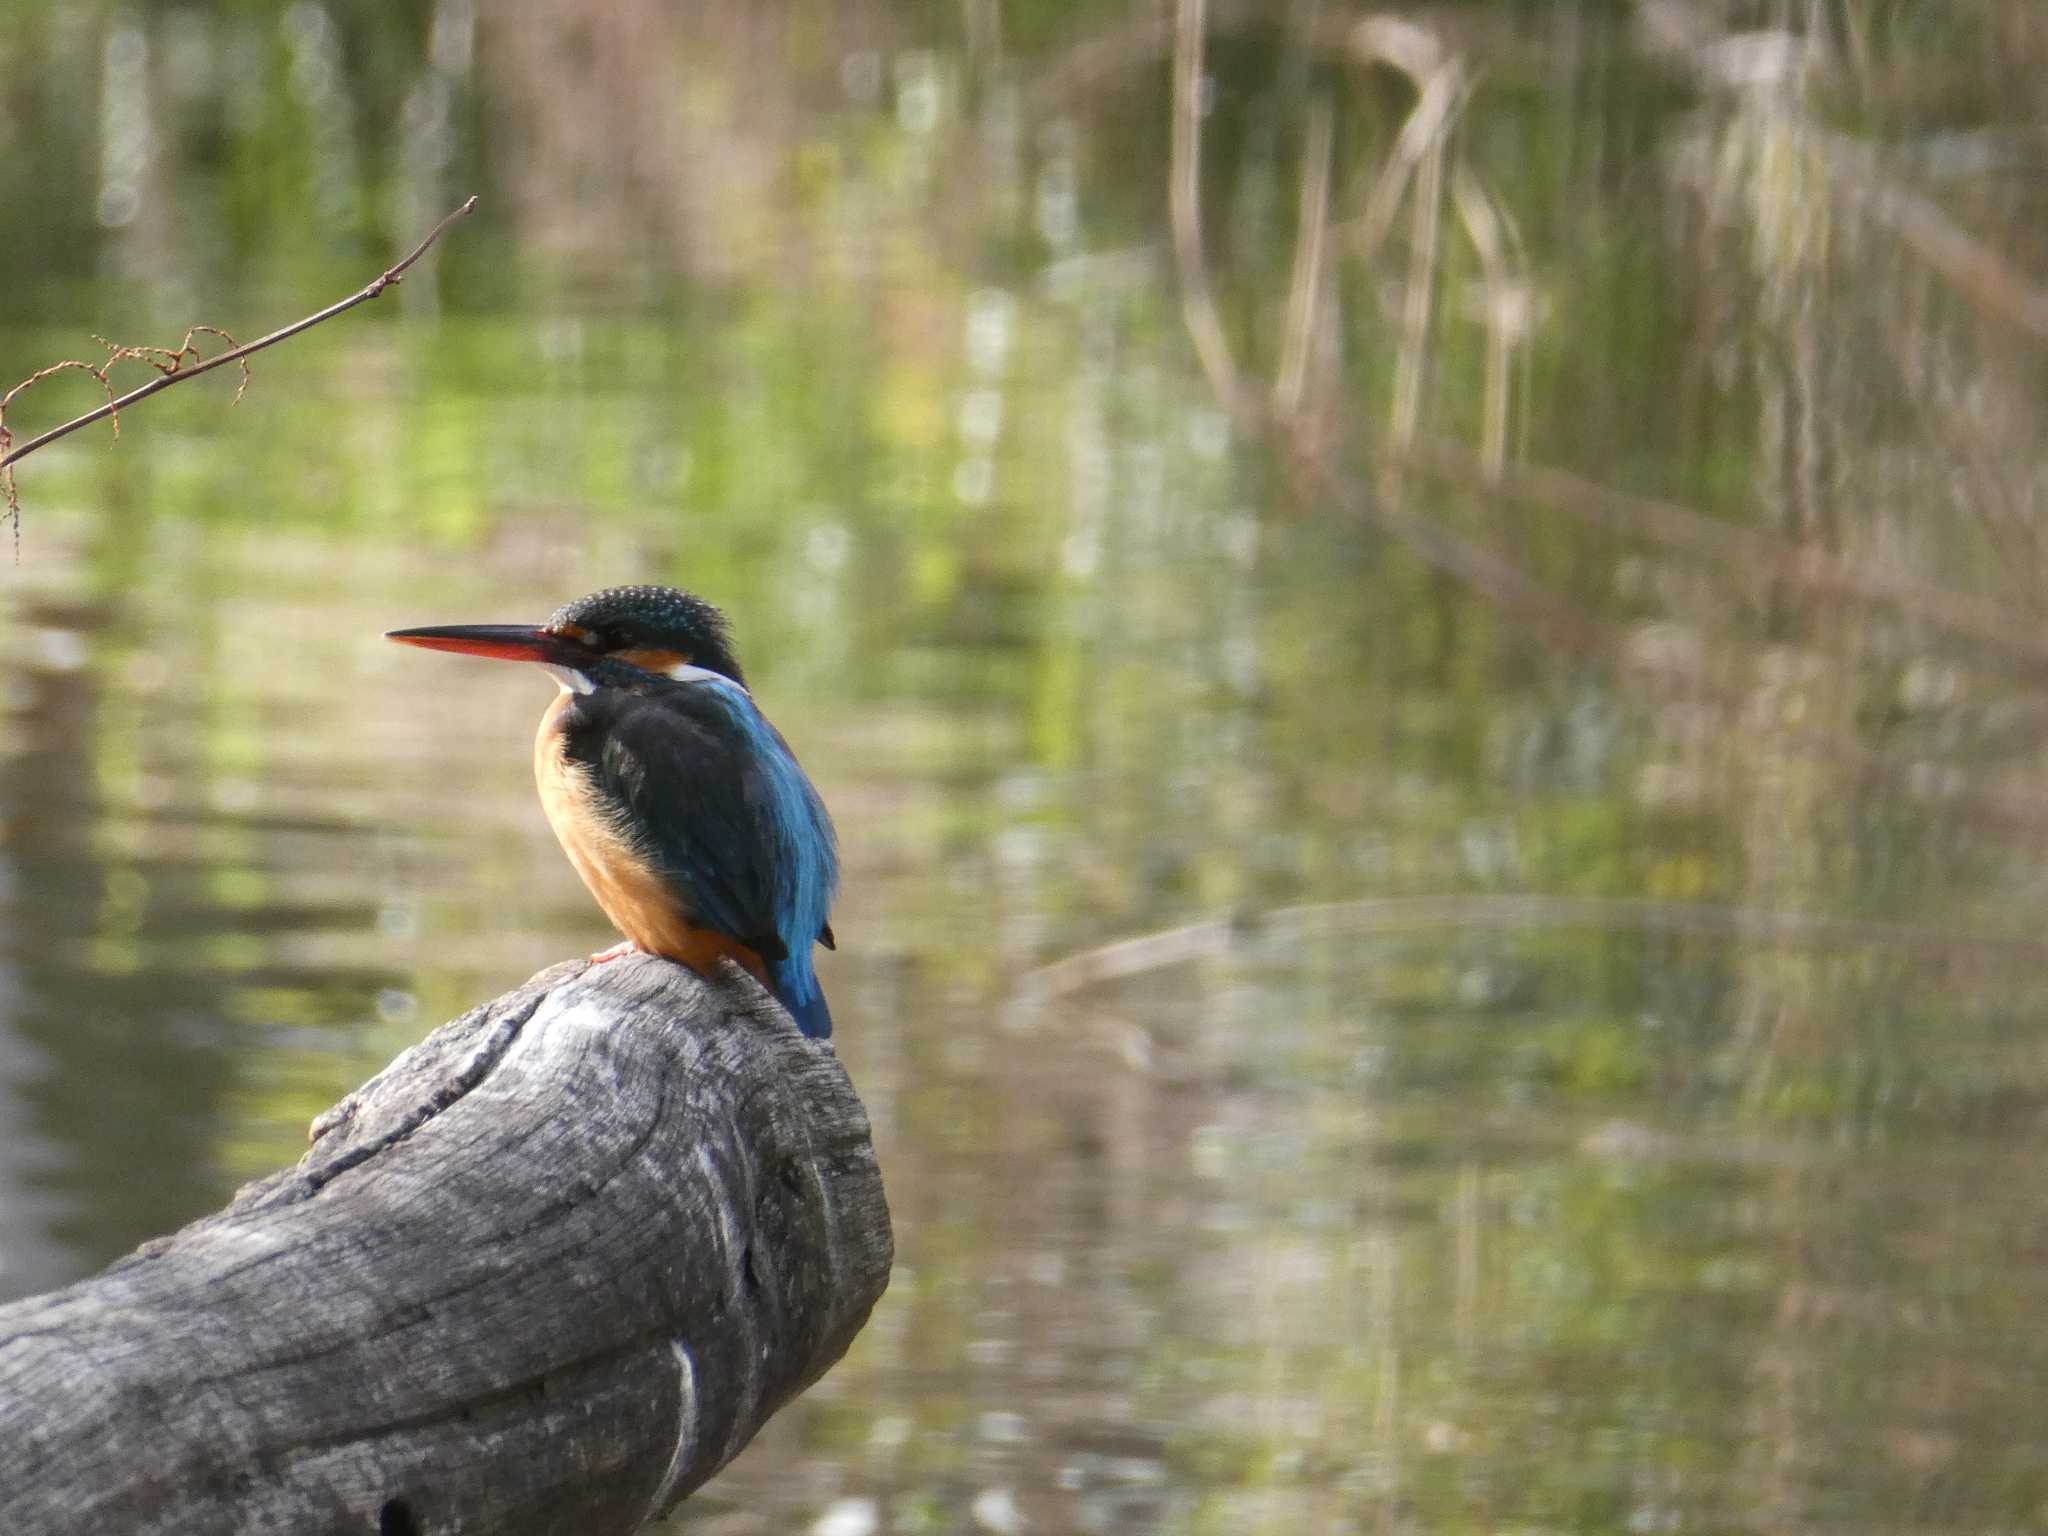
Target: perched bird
{"x": 681, "y": 807}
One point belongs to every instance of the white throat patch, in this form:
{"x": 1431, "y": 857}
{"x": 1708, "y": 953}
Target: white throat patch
{"x": 571, "y": 680}
{"x": 686, "y": 672}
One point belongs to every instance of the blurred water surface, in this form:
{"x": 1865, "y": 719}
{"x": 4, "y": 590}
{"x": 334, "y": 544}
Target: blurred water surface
{"x": 1495, "y": 553}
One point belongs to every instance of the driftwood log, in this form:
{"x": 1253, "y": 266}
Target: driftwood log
{"x": 548, "y": 1271}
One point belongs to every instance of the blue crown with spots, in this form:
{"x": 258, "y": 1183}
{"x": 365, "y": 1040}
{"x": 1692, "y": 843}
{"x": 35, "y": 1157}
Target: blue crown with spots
{"x": 627, "y": 618}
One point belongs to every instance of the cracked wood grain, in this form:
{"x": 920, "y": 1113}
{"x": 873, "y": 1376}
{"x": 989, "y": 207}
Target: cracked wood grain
{"x": 546, "y": 1272}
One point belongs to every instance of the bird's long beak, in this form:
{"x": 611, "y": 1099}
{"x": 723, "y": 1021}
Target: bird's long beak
{"x": 507, "y": 642}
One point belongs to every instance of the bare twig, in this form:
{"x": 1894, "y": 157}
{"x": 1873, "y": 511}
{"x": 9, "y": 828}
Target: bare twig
{"x": 166, "y": 360}
{"x": 1986, "y": 280}
{"x": 1437, "y": 96}
{"x": 1198, "y": 302}
{"x": 171, "y": 370}
{"x": 1486, "y": 570}
{"x": 1418, "y": 293}
{"x": 1304, "y": 297}
{"x": 97, "y": 370}
{"x": 1503, "y": 311}
{"x": 1100, "y": 58}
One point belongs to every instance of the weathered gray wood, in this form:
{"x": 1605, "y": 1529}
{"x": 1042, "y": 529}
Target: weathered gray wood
{"x": 548, "y": 1271}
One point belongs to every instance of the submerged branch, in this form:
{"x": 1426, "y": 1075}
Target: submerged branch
{"x": 1305, "y": 292}
{"x": 1737, "y": 548}
{"x": 1392, "y": 915}
{"x": 1986, "y": 280}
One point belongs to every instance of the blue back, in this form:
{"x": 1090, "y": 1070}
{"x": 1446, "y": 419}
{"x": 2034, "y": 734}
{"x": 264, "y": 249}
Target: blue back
{"x": 713, "y": 799}
{"x": 805, "y": 857}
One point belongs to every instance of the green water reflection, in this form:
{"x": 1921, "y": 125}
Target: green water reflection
{"x": 1580, "y": 1065}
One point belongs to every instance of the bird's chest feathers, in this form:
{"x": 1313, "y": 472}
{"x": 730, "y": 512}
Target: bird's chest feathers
{"x": 643, "y": 906}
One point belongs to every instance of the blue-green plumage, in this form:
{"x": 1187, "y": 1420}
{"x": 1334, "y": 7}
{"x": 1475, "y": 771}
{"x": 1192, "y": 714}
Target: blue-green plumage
{"x": 709, "y": 794}
{"x": 681, "y": 806}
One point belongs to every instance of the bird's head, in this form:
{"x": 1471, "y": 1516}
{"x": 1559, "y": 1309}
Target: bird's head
{"x": 657, "y": 631}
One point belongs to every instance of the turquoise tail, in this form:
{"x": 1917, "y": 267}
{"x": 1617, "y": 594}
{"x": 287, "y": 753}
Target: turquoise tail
{"x": 805, "y": 1000}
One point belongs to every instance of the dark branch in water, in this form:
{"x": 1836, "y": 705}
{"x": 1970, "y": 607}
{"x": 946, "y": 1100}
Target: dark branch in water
{"x": 171, "y": 369}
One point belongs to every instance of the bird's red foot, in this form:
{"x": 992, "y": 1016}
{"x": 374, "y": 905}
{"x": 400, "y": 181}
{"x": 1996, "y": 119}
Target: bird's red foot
{"x": 618, "y": 951}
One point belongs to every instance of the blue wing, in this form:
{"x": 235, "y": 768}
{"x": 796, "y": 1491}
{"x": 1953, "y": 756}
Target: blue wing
{"x": 716, "y": 800}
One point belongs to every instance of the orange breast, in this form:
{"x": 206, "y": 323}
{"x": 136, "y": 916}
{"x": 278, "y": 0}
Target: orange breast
{"x": 641, "y": 905}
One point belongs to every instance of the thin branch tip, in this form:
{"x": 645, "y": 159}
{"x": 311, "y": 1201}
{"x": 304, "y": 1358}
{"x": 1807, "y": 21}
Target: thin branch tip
{"x": 170, "y": 366}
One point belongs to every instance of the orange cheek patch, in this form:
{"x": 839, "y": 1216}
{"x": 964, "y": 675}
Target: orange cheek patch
{"x": 659, "y": 662}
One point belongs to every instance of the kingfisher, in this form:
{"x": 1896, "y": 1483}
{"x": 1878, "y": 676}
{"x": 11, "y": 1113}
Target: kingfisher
{"x": 681, "y": 807}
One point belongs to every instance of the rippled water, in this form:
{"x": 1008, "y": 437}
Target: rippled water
{"x": 1441, "y": 913}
